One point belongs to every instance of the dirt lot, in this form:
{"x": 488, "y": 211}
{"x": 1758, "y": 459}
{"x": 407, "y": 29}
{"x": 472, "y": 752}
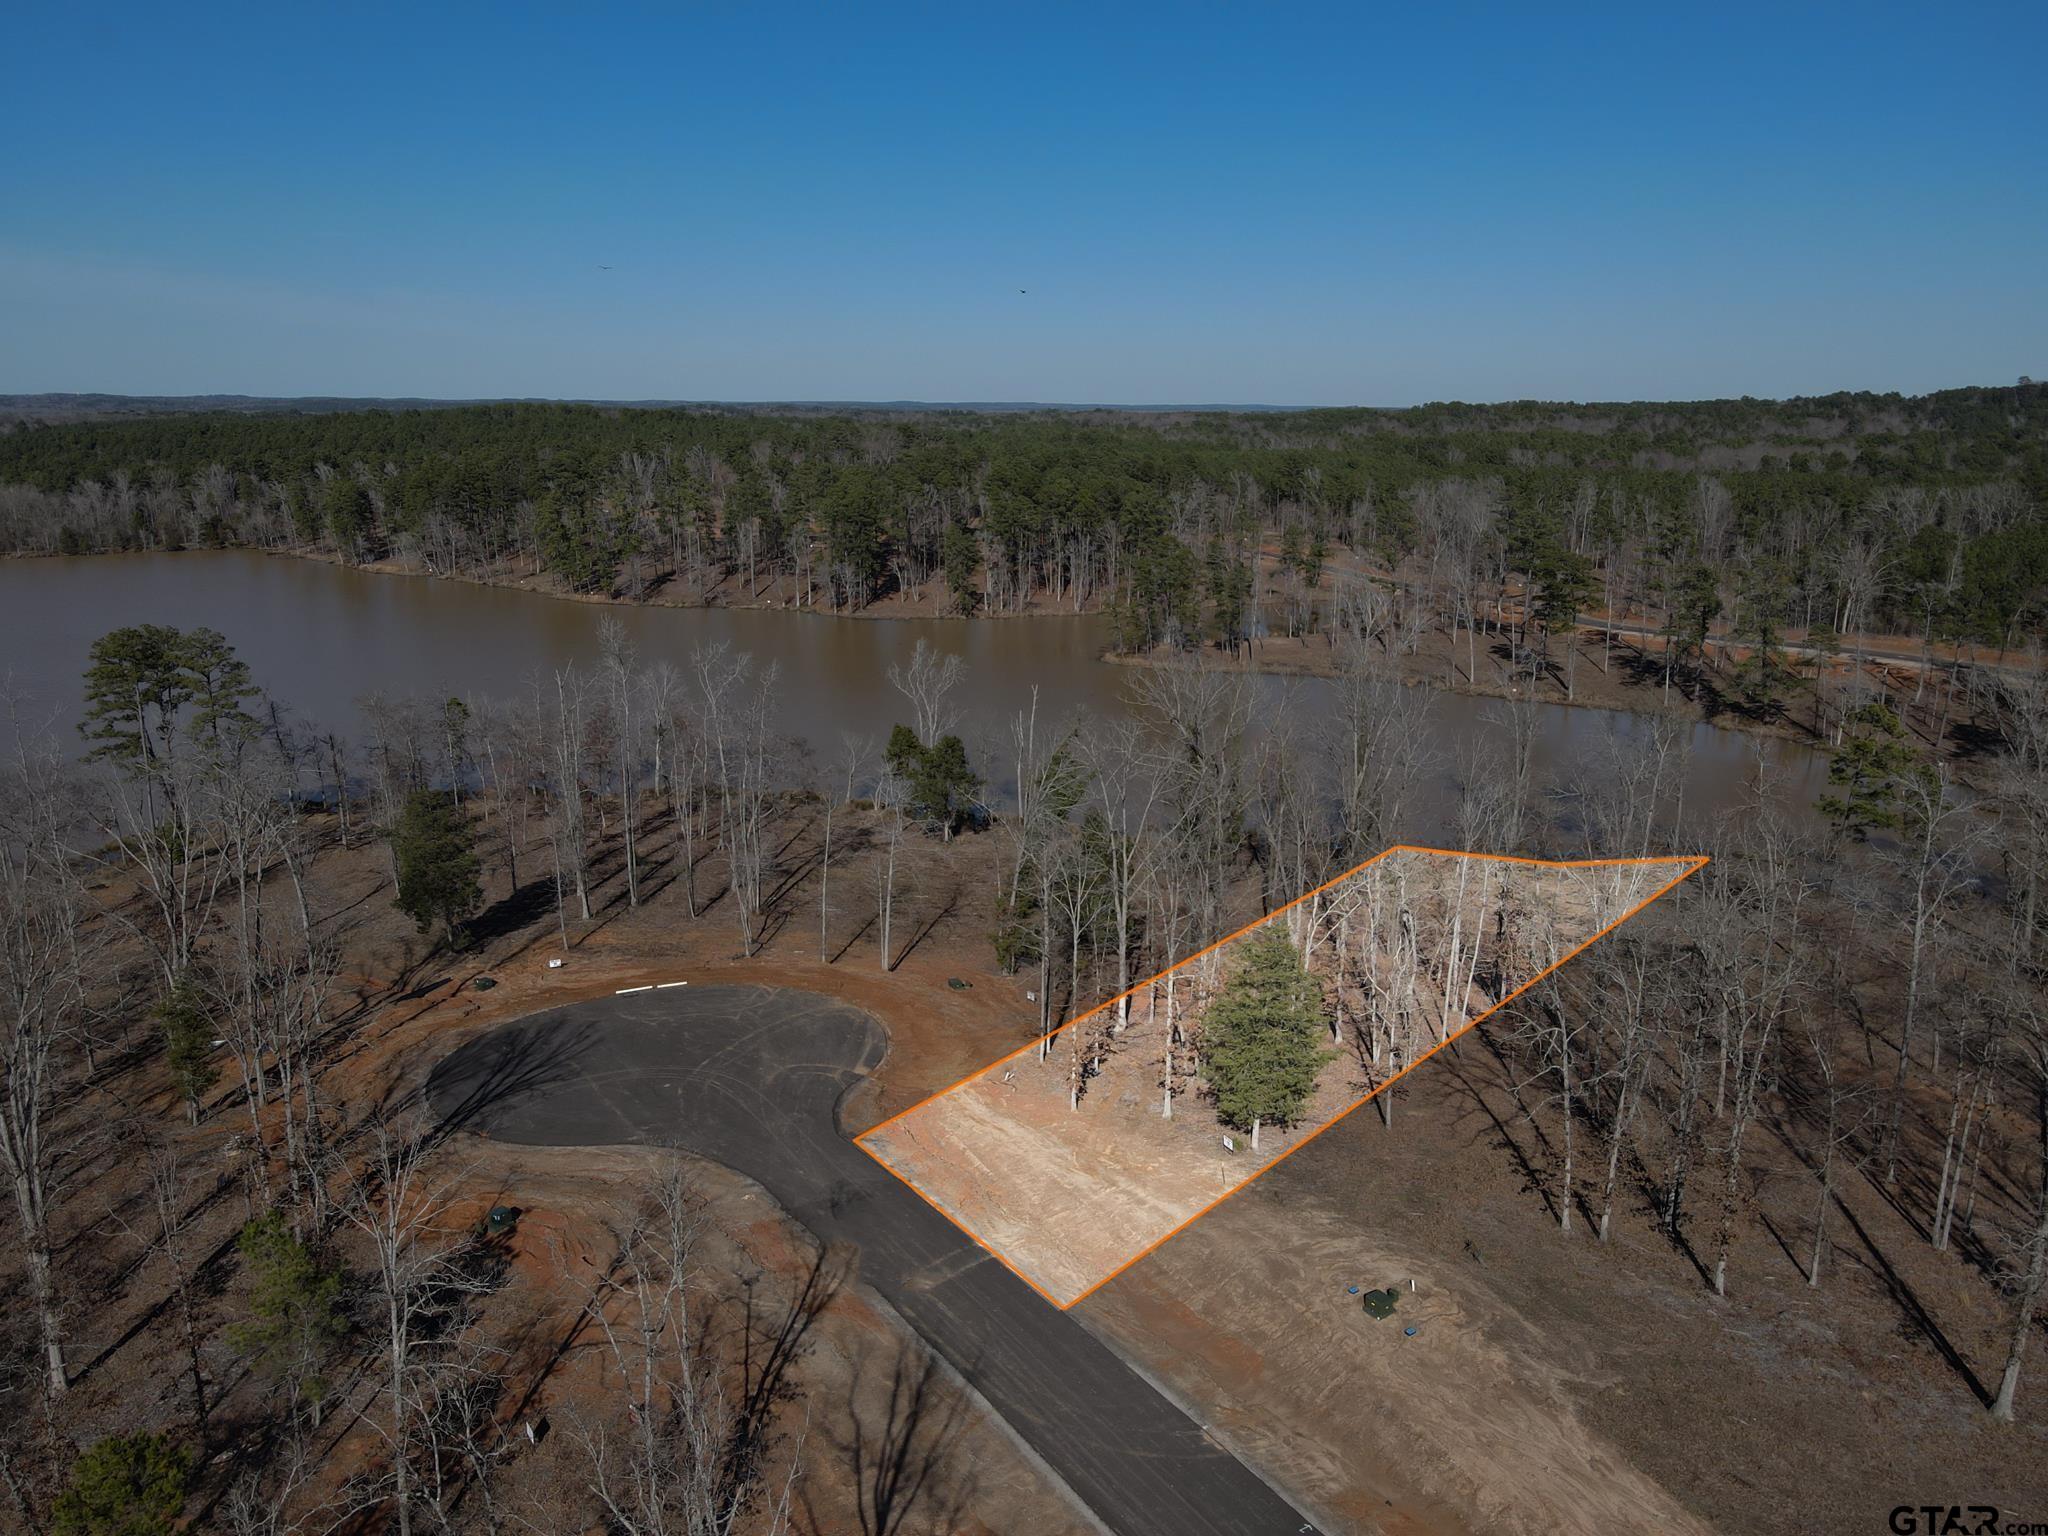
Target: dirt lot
{"x": 1068, "y": 1195}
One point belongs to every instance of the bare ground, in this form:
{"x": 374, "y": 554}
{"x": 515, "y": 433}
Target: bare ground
{"x": 1067, "y": 1195}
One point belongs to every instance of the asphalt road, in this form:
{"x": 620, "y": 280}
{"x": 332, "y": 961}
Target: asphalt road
{"x": 753, "y": 1077}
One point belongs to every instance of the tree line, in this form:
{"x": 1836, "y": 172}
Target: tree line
{"x": 1832, "y": 515}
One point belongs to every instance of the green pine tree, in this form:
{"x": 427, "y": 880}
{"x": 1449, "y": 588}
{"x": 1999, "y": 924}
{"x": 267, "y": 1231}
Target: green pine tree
{"x": 188, "y": 1044}
{"x": 126, "y": 1485}
{"x": 1869, "y": 770}
{"x": 295, "y": 1301}
{"x": 437, "y": 864}
{"x": 960, "y": 557}
{"x": 942, "y": 782}
{"x": 1262, "y": 1037}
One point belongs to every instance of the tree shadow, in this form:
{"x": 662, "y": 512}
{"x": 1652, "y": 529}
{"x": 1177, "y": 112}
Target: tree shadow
{"x": 502, "y": 1066}
{"x": 771, "y": 1350}
{"x": 952, "y": 904}
{"x": 509, "y": 914}
{"x": 904, "y": 1469}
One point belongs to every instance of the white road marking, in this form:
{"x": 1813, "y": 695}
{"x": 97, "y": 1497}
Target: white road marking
{"x": 622, "y": 991}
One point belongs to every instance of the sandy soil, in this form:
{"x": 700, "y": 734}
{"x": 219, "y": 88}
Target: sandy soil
{"x": 1068, "y": 1195}
{"x": 1461, "y": 1427}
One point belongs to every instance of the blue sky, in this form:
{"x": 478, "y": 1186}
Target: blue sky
{"x": 1236, "y": 203}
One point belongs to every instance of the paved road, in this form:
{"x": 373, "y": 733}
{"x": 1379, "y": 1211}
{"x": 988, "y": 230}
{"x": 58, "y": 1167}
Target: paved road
{"x": 753, "y": 1076}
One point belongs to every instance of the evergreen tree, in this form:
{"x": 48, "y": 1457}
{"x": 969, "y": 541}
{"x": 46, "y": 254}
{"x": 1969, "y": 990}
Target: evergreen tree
{"x": 135, "y": 685}
{"x": 960, "y": 557}
{"x": 942, "y": 781}
{"x": 295, "y": 1303}
{"x": 146, "y": 682}
{"x": 188, "y": 1044}
{"x": 437, "y": 864}
{"x": 126, "y": 1485}
{"x": 1765, "y": 674}
{"x": 1262, "y": 1037}
{"x": 347, "y": 508}
{"x": 1869, "y": 770}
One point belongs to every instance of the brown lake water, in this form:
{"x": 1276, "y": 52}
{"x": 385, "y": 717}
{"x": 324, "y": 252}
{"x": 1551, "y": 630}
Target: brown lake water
{"x": 318, "y": 637}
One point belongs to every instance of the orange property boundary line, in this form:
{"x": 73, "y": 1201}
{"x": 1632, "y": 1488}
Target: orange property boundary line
{"x": 1696, "y": 863}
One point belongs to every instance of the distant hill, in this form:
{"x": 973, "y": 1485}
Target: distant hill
{"x": 63, "y": 407}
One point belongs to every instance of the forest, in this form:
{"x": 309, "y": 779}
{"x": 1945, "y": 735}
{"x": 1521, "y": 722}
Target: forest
{"x": 1829, "y": 517}
{"x": 219, "y": 1173}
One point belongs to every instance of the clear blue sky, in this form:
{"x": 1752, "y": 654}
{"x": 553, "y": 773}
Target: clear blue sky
{"x": 1241, "y": 203}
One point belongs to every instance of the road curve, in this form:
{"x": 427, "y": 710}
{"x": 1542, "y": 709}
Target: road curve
{"x": 753, "y": 1077}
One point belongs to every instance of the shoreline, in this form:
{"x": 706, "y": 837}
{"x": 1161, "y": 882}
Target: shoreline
{"x": 1629, "y": 699}
{"x": 1438, "y": 665}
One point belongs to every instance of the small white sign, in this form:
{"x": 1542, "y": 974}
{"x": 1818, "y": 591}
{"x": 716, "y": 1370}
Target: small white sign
{"x": 1229, "y": 1145}
{"x": 554, "y": 965}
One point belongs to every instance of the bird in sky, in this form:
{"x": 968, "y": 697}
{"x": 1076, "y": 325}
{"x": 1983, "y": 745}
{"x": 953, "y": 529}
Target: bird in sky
{"x": 602, "y": 267}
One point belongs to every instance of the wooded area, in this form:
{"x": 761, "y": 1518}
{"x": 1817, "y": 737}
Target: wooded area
{"x": 1831, "y": 516}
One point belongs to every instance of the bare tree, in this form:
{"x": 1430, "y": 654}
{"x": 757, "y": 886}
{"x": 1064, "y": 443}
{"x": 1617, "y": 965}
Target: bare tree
{"x": 403, "y": 1214}
{"x": 2028, "y": 1244}
{"x": 1846, "y": 1109}
{"x": 1934, "y": 864}
{"x": 928, "y": 683}
{"x": 41, "y": 996}
{"x": 563, "y": 711}
{"x": 892, "y": 797}
{"x": 855, "y": 753}
{"x": 1127, "y": 781}
{"x": 617, "y": 664}
{"x": 738, "y": 717}
{"x": 682, "y": 1460}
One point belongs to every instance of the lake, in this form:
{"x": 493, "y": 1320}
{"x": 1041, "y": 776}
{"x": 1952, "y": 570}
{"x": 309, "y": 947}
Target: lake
{"x": 320, "y": 636}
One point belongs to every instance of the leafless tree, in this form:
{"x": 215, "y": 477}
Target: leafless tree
{"x": 1377, "y": 737}
{"x": 42, "y": 978}
{"x": 1933, "y": 863}
{"x": 1846, "y": 1110}
{"x": 681, "y": 1460}
{"x": 738, "y": 725}
{"x": 2027, "y": 1242}
{"x": 402, "y": 1210}
{"x": 855, "y": 753}
{"x": 928, "y": 683}
{"x": 1127, "y": 785}
{"x": 892, "y": 798}
{"x": 563, "y": 709}
{"x": 617, "y": 665}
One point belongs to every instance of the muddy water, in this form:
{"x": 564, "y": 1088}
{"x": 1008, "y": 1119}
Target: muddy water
{"x": 320, "y": 637}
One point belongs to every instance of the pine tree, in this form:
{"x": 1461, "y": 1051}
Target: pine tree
{"x": 961, "y": 558}
{"x": 437, "y": 864}
{"x": 126, "y": 1485}
{"x": 942, "y": 783}
{"x": 294, "y": 1299}
{"x": 1871, "y": 769}
{"x": 188, "y": 1044}
{"x": 1262, "y": 1038}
